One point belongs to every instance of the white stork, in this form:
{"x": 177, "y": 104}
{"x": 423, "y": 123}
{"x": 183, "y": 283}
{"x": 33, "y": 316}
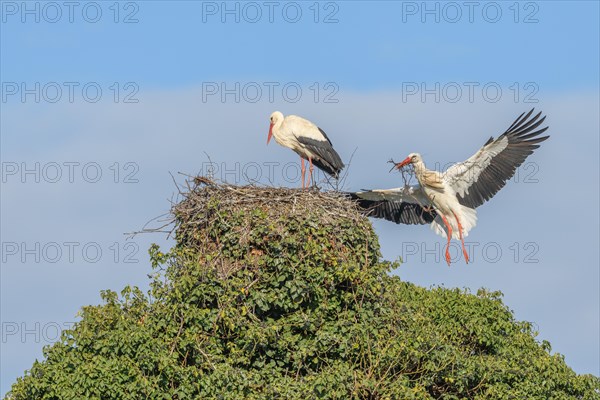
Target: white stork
{"x": 308, "y": 141}
{"x": 448, "y": 200}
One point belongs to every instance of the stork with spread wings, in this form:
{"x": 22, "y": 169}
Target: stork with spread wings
{"x": 447, "y": 200}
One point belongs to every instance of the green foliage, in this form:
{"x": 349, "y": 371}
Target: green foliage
{"x": 260, "y": 305}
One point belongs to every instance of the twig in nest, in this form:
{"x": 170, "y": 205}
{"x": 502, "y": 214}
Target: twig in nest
{"x": 342, "y": 181}
{"x": 199, "y": 180}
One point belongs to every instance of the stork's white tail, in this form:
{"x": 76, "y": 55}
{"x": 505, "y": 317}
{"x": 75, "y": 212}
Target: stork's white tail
{"x": 468, "y": 221}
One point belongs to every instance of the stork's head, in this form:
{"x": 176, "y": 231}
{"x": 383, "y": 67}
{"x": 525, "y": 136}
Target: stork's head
{"x": 412, "y": 158}
{"x": 276, "y": 117}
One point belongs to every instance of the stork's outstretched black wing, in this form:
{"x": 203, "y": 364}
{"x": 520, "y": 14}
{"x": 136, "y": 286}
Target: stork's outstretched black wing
{"x": 406, "y": 205}
{"x": 479, "y": 178}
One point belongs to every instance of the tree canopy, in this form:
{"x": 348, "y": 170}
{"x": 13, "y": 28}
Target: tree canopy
{"x": 282, "y": 294}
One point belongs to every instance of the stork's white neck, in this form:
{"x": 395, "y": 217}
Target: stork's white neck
{"x": 420, "y": 168}
{"x": 282, "y": 134}
{"x": 277, "y": 126}
{"x": 428, "y": 179}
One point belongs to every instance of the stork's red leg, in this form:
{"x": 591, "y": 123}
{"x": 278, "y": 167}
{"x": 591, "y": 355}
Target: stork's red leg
{"x": 462, "y": 241}
{"x": 303, "y": 169}
{"x": 310, "y": 171}
{"x": 449, "y": 228}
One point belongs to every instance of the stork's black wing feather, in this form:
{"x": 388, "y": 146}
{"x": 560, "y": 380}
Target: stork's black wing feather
{"x": 479, "y": 178}
{"x": 326, "y": 158}
{"x": 400, "y": 212}
{"x": 324, "y": 135}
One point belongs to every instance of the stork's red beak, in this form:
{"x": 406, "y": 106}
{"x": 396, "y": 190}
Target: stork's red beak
{"x": 270, "y": 133}
{"x": 406, "y": 161}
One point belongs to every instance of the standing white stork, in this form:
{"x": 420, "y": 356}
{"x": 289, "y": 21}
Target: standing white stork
{"x": 448, "y": 200}
{"x": 308, "y": 141}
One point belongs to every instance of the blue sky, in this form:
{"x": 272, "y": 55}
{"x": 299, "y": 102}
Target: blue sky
{"x": 382, "y": 78}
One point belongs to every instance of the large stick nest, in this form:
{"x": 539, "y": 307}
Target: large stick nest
{"x": 191, "y": 212}
{"x": 209, "y": 214}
